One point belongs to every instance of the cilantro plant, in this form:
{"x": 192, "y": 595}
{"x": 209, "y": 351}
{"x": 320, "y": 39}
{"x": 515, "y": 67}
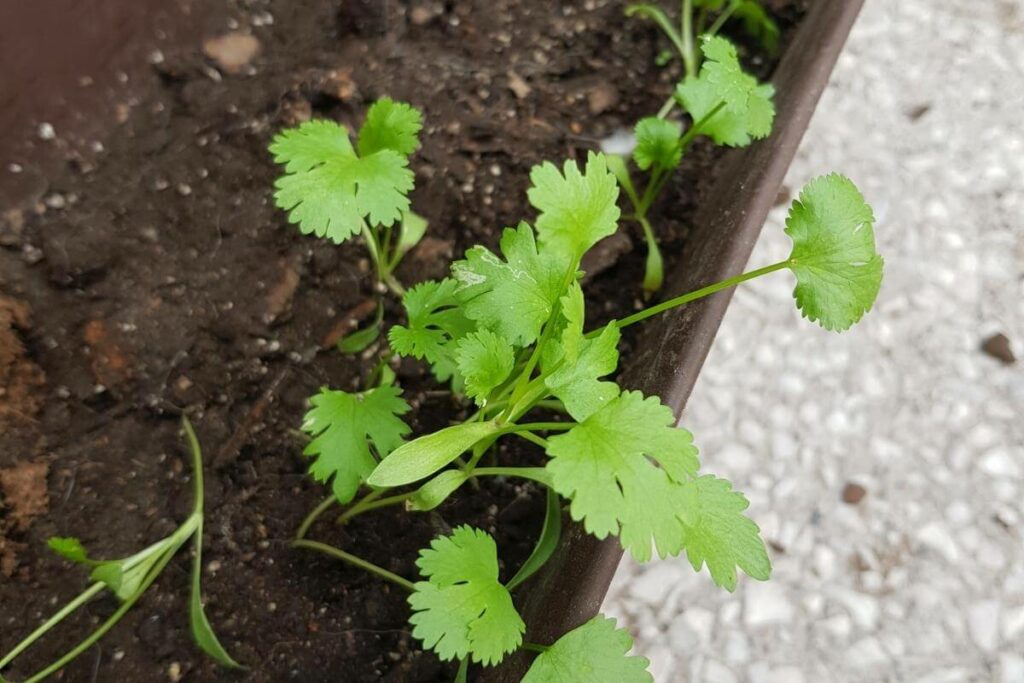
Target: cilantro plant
{"x": 130, "y": 577}
{"x": 334, "y": 190}
{"x": 725, "y": 105}
{"x": 507, "y": 331}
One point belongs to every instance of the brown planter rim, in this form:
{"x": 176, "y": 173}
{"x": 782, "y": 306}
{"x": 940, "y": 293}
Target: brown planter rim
{"x": 570, "y": 588}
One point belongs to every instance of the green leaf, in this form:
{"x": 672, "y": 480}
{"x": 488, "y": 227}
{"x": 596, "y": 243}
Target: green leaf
{"x": 595, "y": 652}
{"x": 436, "y": 320}
{"x": 550, "y": 534}
{"x": 462, "y": 610}
{"x": 485, "y": 360}
{"x": 390, "y": 125}
{"x": 438, "y": 489}
{"x": 344, "y": 426}
{"x": 414, "y": 226}
{"x": 69, "y": 548}
{"x": 838, "y": 271}
{"x": 578, "y": 362}
{"x": 576, "y": 210}
{"x": 202, "y": 632}
{"x": 747, "y": 111}
{"x": 125, "y": 581}
{"x": 422, "y": 457}
{"x": 657, "y": 144}
{"x": 604, "y": 466}
{"x": 328, "y": 190}
{"x": 718, "y": 534}
{"x": 514, "y": 297}
{"x": 358, "y": 341}
{"x": 758, "y": 24}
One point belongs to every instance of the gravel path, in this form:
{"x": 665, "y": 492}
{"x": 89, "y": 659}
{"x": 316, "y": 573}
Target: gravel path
{"x": 922, "y": 579}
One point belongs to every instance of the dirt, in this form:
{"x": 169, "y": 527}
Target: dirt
{"x": 164, "y": 282}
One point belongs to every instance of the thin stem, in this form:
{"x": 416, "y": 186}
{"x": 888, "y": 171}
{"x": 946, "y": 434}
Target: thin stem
{"x": 653, "y": 267}
{"x": 538, "y": 474}
{"x": 533, "y": 438}
{"x": 60, "y": 616}
{"x": 339, "y": 554}
{"x": 667, "y": 108}
{"x": 537, "y": 427}
{"x": 722, "y": 18}
{"x": 694, "y": 295}
{"x": 313, "y": 516}
{"x": 690, "y": 53}
{"x": 698, "y": 127}
{"x": 372, "y": 505}
{"x": 534, "y": 647}
{"x": 197, "y": 465}
{"x": 109, "y": 623}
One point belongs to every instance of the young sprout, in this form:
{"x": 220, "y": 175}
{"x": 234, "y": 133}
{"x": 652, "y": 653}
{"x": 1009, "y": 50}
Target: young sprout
{"x": 725, "y": 104}
{"x": 129, "y": 578}
{"x": 333, "y": 190}
{"x": 510, "y": 328}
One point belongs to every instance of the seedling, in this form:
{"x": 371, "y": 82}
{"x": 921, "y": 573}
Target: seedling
{"x": 129, "y": 578}
{"x": 507, "y": 331}
{"x": 335, "y": 191}
{"x": 725, "y": 105}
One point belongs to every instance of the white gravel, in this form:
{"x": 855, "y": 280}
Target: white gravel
{"x": 923, "y": 580}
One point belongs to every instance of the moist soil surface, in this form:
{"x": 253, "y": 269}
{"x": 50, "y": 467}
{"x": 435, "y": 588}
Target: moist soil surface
{"x": 155, "y": 278}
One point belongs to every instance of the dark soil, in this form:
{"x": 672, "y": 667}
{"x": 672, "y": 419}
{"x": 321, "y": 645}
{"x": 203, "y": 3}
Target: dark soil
{"x": 156, "y": 278}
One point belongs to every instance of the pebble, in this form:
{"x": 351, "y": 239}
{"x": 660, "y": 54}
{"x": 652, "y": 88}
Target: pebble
{"x": 983, "y": 624}
{"x": 232, "y": 51}
{"x": 766, "y": 603}
{"x": 46, "y": 132}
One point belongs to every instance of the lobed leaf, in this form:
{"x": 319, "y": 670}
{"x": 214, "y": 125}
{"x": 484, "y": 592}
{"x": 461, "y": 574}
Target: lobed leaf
{"x": 328, "y": 190}
{"x": 595, "y": 652}
{"x": 747, "y": 111}
{"x": 390, "y": 125}
{"x": 657, "y": 144}
{"x": 485, "y": 360}
{"x": 837, "y": 269}
{"x": 606, "y": 466}
{"x": 436, "y": 321}
{"x": 514, "y": 297}
{"x": 344, "y": 426}
{"x": 462, "y": 610}
{"x": 576, "y": 209}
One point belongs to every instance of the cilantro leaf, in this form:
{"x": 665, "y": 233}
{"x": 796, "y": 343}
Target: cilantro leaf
{"x": 603, "y": 465}
{"x": 344, "y": 426}
{"x": 719, "y": 535}
{"x": 595, "y": 652}
{"x": 436, "y": 320}
{"x": 838, "y": 271}
{"x": 747, "y": 111}
{"x": 390, "y": 125}
{"x": 462, "y": 609}
{"x": 485, "y": 360}
{"x": 328, "y": 190}
{"x": 514, "y": 297}
{"x": 422, "y": 457}
{"x": 69, "y": 548}
{"x": 578, "y": 362}
{"x": 576, "y": 210}
{"x": 657, "y": 144}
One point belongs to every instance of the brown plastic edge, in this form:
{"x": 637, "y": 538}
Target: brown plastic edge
{"x": 570, "y": 588}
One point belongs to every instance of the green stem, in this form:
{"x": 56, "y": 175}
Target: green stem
{"x": 690, "y": 53}
{"x": 534, "y": 647}
{"x": 694, "y": 295}
{"x": 667, "y": 108}
{"x": 653, "y": 267}
{"x": 366, "y": 506}
{"x": 538, "y": 474}
{"x": 313, "y": 516}
{"x": 197, "y": 465}
{"x": 109, "y": 623}
{"x": 339, "y": 554}
{"x": 533, "y": 438}
{"x": 722, "y": 18}
{"x": 376, "y": 253}
{"x": 698, "y": 127}
{"x": 60, "y": 616}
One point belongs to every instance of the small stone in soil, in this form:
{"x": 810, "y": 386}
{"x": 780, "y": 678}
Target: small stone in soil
{"x": 998, "y": 346}
{"x": 602, "y": 97}
{"x": 853, "y": 493}
{"x": 232, "y": 51}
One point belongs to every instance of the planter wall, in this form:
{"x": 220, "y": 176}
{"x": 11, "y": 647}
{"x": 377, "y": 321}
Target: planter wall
{"x": 569, "y": 590}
